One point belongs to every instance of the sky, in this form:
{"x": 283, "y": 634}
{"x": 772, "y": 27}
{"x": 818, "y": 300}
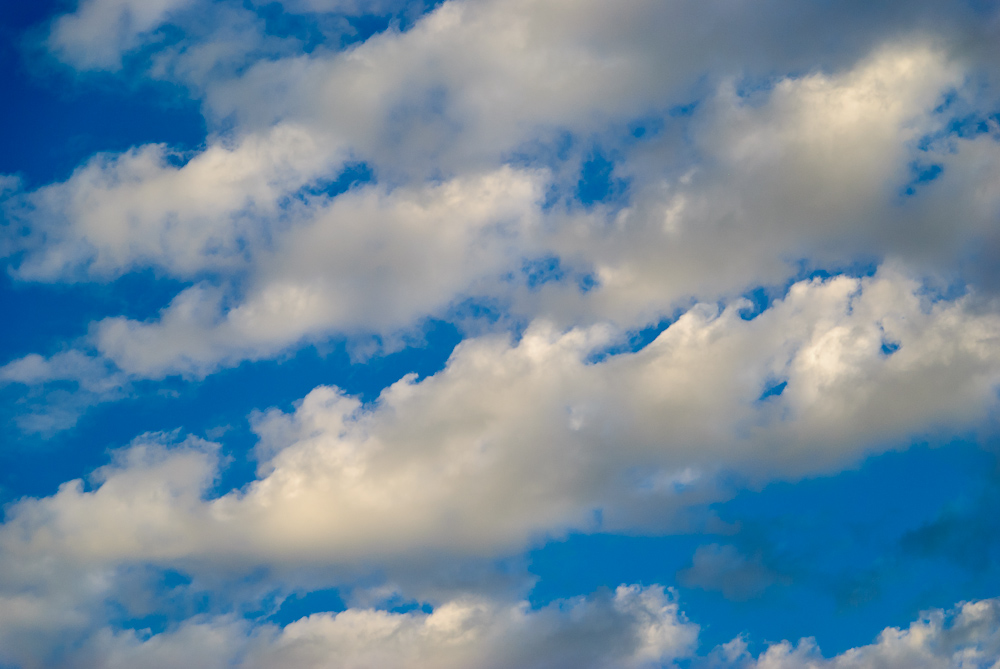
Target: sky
{"x": 483, "y": 334}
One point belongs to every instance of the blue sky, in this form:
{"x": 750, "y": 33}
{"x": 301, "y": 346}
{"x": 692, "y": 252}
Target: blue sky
{"x": 499, "y": 333}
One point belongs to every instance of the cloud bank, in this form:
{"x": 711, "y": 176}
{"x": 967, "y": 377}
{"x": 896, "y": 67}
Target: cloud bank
{"x": 591, "y": 194}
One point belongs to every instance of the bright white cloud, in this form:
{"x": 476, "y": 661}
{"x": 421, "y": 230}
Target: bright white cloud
{"x": 368, "y": 259}
{"x": 139, "y": 209}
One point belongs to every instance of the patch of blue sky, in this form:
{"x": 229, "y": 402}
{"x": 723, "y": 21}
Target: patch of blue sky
{"x": 352, "y": 175}
{"x": 598, "y": 183}
{"x": 172, "y": 578}
{"x": 489, "y": 310}
{"x": 365, "y": 25}
{"x": 548, "y": 150}
{"x": 943, "y": 288}
{"x": 61, "y": 123}
{"x": 588, "y": 282}
{"x": 635, "y": 340}
{"x": 847, "y": 553}
{"x": 319, "y": 28}
{"x": 216, "y": 408}
{"x": 591, "y": 179}
{"x": 70, "y": 308}
{"x": 299, "y": 605}
{"x": 889, "y": 347}
{"x": 773, "y": 389}
{"x": 760, "y": 299}
{"x": 535, "y": 273}
{"x": 63, "y": 118}
{"x": 964, "y": 533}
{"x": 308, "y": 29}
{"x": 647, "y": 128}
{"x": 958, "y": 122}
{"x": 860, "y": 267}
{"x": 539, "y": 271}
{"x": 173, "y": 593}
{"x": 922, "y": 174}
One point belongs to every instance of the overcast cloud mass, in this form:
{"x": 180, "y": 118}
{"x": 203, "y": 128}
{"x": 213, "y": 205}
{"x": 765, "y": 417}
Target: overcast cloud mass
{"x": 500, "y": 334}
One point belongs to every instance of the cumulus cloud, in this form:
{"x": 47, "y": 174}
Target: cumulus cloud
{"x": 812, "y": 170}
{"x": 747, "y": 148}
{"x": 632, "y": 627}
{"x": 140, "y": 209}
{"x": 368, "y": 259}
{"x": 967, "y": 636}
{"x": 512, "y": 442}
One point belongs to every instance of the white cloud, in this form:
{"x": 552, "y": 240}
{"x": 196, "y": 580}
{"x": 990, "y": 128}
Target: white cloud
{"x": 138, "y": 209}
{"x": 473, "y": 81}
{"x": 368, "y": 259}
{"x": 99, "y": 32}
{"x": 513, "y": 442}
{"x": 632, "y": 628}
{"x": 635, "y": 628}
{"x": 968, "y": 636}
{"x": 811, "y": 169}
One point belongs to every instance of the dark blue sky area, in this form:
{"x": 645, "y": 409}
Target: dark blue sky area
{"x": 55, "y": 118}
{"x": 847, "y": 555}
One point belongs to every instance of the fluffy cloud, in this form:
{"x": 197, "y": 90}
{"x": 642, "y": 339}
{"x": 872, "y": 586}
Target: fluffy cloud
{"x": 99, "y": 32}
{"x": 968, "y": 636}
{"x": 513, "y": 442}
{"x": 769, "y": 150}
{"x": 633, "y": 627}
{"x": 368, "y": 259}
{"x": 141, "y": 209}
{"x": 811, "y": 170}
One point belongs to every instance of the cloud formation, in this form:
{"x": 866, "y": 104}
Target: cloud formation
{"x": 513, "y": 442}
{"x": 552, "y": 178}
{"x": 811, "y": 172}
